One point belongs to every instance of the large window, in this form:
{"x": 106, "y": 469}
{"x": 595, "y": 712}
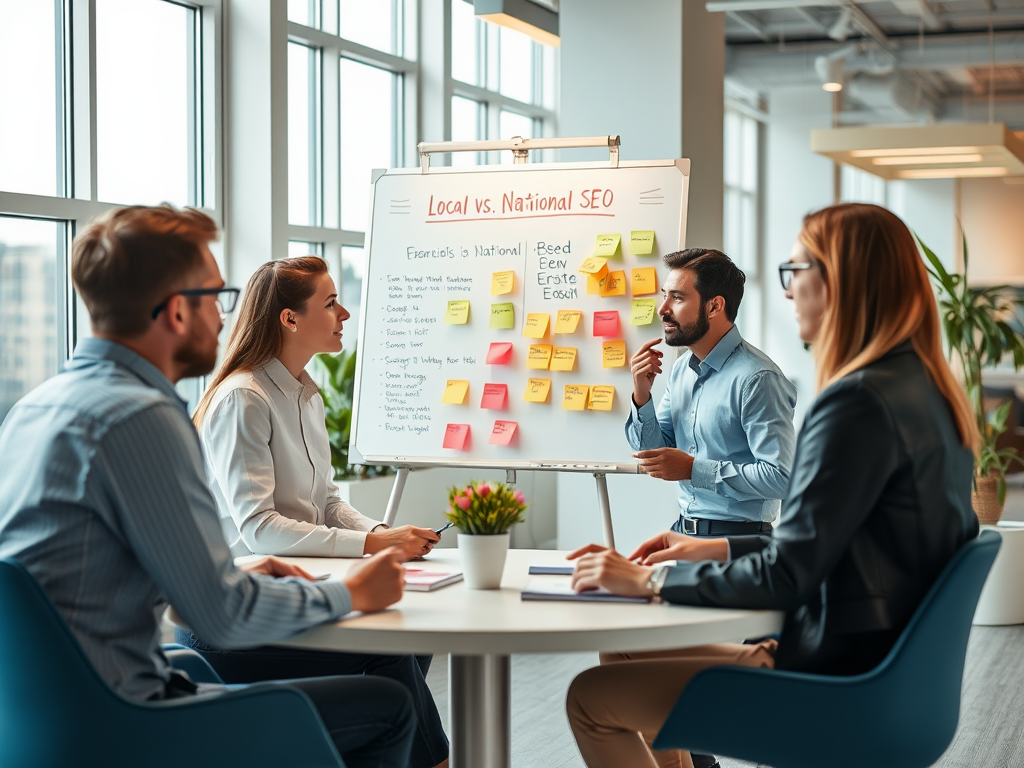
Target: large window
{"x": 857, "y": 186}
{"x": 742, "y": 211}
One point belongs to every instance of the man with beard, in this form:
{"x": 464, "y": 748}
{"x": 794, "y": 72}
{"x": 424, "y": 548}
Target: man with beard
{"x": 103, "y": 495}
{"x": 724, "y": 428}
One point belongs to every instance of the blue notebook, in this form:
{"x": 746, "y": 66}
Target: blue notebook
{"x": 551, "y": 570}
{"x": 559, "y": 589}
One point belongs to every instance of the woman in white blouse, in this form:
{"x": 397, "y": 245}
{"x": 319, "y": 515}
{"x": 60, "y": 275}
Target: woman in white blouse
{"x": 268, "y": 459}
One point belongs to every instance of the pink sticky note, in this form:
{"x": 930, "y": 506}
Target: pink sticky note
{"x": 499, "y": 353}
{"x": 455, "y": 436}
{"x": 503, "y": 432}
{"x": 606, "y": 323}
{"x": 494, "y": 397}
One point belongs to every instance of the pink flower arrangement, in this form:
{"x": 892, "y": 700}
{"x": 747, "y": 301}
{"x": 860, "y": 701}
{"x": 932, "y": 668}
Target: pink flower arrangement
{"x": 485, "y": 508}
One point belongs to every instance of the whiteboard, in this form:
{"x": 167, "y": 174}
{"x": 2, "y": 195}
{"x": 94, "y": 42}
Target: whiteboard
{"x": 439, "y": 237}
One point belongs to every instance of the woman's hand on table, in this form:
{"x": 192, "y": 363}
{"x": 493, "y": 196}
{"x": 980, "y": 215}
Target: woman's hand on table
{"x": 377, "y": 582}
{"x": 409, "y": 540}
{"x": 678, "y": 546}
{"x": 603, "y": 568}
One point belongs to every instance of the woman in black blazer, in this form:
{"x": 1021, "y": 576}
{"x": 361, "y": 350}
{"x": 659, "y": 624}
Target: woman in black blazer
{"x": 878, "y": 500}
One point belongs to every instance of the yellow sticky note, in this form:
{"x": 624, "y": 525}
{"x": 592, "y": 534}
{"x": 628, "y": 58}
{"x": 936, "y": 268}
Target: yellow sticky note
{"x": 643, "y": 312}
{"x": 645, "y": 281}
{"x": 537, "y": 390}
{"x": 458, "y": 313}
{"x": 595, "y": 284}
{"x": 503, "y": 316}
{"x": 613, "y": 354}
{"x": 502, "y": 282}
{"x": 566, "y": 320}
{"x": 455, "y": 391}
{"x": 575, "y": 397}
{"x": 539, "y": 356}
{"x": 594, "y": 266}
{"x": 607, "y": 246}
{"x": 614, "y": 284}
{"x": 641, "y": 242}
{"x": 601, "y": 397}
{"x": 536, "y": 325}
{"x": 563, "y": 359}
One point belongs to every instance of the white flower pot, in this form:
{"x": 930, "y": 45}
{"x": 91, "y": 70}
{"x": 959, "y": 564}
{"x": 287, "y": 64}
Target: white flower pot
{"x": 483, "y": 559}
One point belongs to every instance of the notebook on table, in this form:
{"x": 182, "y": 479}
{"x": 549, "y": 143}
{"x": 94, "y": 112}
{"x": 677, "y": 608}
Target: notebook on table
{"x": 422, "y": 580}
{"x": 551, "y": 570}
{"x": 561, "y": 589}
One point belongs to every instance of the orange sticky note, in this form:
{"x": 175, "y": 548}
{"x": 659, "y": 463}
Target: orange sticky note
{"x": 502, "y": 432}
{"x": 456, "y": 437}
{"x": 594, "y": 265}
{"x": 563, "y": 359}
{"x": 614, "y": 284}
{"x": 645, "y": 281}
{"x": 455, "y": 391}
{"x": 601, "y": 397}
{"x": 499, "y": 353}
{"x": 536, "y": 325}
{"x": 613, "y": 354}
{"x": 566, "y": 320}
{"x": 595, "y": 284}
{"x": 494, "y": 397}
{"x": 537, "y": 390}
{"x": 539, "y": 356}
{"x": 606, "y": 323}
{"x": 502, "y": 282}
{"x": 575, "y": 397}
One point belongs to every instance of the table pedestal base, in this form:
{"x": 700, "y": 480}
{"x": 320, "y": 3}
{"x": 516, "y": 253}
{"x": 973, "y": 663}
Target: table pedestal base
{"x": 479, "y": 711}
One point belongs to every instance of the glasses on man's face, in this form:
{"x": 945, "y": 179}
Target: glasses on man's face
{"x": 226, "y": 298}
{"x": 786, "y": 270}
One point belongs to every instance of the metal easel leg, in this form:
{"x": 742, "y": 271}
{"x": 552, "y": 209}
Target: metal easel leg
{"x": 396, "y": 496}
{"x": 606, "y": 509}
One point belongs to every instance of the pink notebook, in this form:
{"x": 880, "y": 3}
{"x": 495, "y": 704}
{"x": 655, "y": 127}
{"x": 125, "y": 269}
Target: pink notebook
{"x": 420, "y": 580}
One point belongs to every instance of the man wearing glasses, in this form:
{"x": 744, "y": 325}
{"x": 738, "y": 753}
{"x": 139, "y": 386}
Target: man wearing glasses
{"x": 103, "y": 495}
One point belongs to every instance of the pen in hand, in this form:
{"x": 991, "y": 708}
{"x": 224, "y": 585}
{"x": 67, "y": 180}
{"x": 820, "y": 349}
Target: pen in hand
{"x": 443, "y": 528}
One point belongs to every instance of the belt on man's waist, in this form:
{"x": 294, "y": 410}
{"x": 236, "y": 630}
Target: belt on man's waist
{"x": 695, "y": 526}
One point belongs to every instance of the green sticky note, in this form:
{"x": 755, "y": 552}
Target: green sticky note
{"x": 503, "y": 316}
{"x": 641, "y": 242}
{"x": 643, "y": 312}
{"x": 607, "y": 246}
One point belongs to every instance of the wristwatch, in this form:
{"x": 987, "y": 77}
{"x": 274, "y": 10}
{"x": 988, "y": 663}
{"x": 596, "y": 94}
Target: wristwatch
{"x": 657, "y": 579}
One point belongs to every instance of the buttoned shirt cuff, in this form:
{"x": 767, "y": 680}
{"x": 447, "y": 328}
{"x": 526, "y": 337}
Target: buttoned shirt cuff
{"x": 337, "y": 596}
{"x": 353, "y": 544}
{"x": 704, "y": 474}
{"x": 645, "y": 412}
{"x": 728, "y": 551}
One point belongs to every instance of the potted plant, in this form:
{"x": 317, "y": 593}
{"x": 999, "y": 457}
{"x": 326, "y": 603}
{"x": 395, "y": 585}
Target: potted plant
{"x": 978, "y": 336}
{"x": 483, "y": 513}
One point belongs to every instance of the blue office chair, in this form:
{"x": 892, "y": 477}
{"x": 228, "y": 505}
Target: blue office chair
{"x": 901, "y": 714}
{"x": 56, "y": 711}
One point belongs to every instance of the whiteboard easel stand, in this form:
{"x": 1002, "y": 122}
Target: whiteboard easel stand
{"x": 520, "y": 149}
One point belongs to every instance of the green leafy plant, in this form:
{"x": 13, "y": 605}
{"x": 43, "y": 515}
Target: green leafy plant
{"x": 978, "y": 336}
{"x": 338, "y": 375}
{"x": 485, "y": 508}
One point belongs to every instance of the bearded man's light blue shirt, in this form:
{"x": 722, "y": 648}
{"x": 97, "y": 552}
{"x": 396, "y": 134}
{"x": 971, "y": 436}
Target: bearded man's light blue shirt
{"x": 733, "y": 412}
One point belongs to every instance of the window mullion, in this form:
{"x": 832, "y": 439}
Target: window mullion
{"x": 82, "y": 104}
{"x": 330, "y": 68}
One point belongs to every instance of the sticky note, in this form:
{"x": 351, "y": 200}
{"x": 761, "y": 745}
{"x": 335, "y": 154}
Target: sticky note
{"x": 607, "y": 246}
{"x": 606, "y": 323}
{"x": 575, "y": 397}
{"x": 455, "y": 436}
{"x": 613, "y": 354}
{"x": 643, "y": 312}
{"x": 455, "y": 391}
{"x": 563, "y": 359}
{"x": 641, "y": 242}
{"x": 614, "y": 284}
{"x": 645, "y": 281}
{"x": 566, "y": 320}
{"x": 458, "y": 313}
{"x": 539, "y": 356}
{"x": 537, "y": 390}
{"x": 499, "y": 353}
{"x": 595, "y": 284}
{"x": 502, "y": 282}
{"x": 502, "y": 432}
{"x": 536, "y": 325}
{"x": 601, "y": 397}
{"x": 503, "y": 316}
{"x": 495, "y": 396}
{"x": 594, "y": 266}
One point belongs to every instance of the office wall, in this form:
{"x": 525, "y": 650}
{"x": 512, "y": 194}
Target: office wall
{"x": 992, "y": 212}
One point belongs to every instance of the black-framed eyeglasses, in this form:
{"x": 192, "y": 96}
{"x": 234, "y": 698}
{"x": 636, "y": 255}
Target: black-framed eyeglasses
{"x": 786, "y": 270}
{"x": 226, "y": 298}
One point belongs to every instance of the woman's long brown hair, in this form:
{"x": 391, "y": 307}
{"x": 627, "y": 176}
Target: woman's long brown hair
{"x": 880, "y": 296}
{"x": 256, "y": 337}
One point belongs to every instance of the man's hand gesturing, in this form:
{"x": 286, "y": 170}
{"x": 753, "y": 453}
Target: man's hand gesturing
{"x": 645, "y": 365}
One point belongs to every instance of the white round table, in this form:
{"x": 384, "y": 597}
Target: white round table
{"x": 481, "y": 629}
{"x": 1002, "y": 599}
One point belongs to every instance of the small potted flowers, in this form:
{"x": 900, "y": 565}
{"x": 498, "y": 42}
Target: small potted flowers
{"x": 483, "y": 513}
